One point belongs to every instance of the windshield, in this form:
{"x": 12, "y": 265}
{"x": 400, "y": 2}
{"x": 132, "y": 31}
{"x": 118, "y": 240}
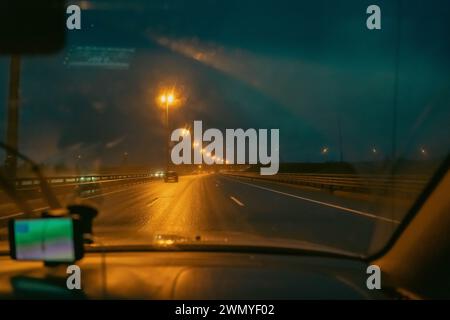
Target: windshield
{"x": 344, "y": 121}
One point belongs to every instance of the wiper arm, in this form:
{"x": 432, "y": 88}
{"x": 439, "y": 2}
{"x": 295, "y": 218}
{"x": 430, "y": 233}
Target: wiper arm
{"x": 52, "y": 201}
{"x": 13, "y": 194}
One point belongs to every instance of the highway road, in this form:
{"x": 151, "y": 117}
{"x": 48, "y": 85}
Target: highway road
{"x": 216, "y": 204}
{"x": 220, "y": 204}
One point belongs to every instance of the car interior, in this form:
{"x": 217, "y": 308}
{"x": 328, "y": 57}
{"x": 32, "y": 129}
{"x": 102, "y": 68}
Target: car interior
{"x": 93, "y": 205}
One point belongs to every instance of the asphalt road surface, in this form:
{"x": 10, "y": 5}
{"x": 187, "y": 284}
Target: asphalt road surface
{"x": 222, "y": 204}
{"x": 216, "y": 203}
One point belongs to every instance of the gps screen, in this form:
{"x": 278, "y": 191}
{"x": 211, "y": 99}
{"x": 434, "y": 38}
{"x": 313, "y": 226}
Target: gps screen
{"x": 44, "y": 239}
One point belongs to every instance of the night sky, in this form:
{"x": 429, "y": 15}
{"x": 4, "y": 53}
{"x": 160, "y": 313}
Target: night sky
{"x": 299, "y": 66}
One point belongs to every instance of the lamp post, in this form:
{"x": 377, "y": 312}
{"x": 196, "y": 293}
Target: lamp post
{"x": 167, "y": 99}
{"x": 12, "y": 128}
{"x": 324, "y": 151}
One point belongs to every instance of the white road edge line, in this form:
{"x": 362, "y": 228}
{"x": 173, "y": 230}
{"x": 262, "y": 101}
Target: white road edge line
{"x": 151, "y": 203}
{"x": 112, "y": 192}
{"x": 106, "y": 193}
{"x": 237, "y": 201}
{"x": 362, "y": 213}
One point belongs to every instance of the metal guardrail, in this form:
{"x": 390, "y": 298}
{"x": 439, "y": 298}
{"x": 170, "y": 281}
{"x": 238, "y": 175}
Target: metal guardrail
{"x": 32, "y": 183}
{"x": 382, "y": 184}
{"x": 90, "y": 184}
{"x": 379, "y": 184}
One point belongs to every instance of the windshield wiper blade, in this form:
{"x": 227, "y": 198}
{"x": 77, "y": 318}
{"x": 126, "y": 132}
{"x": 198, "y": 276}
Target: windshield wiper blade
{"x": 52, "y": 201}
{"x": 13, "y": 194}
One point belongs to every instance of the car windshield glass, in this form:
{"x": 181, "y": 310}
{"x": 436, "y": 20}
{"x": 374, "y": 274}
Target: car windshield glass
{"x": 305, "y": 123}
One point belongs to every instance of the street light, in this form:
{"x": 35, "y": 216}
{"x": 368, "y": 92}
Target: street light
{"x": 125, "y": 158}
{"x": 324, "y": 152}
{"x": 167, "y": 99}
{"x": 77, "y": 161}
{"x": 185, "y": 132}
{"x": 423, "y": 151}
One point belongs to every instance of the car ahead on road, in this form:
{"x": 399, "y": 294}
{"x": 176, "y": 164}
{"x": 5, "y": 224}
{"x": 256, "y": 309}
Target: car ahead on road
{"x": 88, "y": 189}
{"x": 171, "y": 176}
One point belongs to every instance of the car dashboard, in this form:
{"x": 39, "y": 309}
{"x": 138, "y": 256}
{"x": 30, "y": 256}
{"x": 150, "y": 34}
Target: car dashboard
{"x": 192, "y": 275}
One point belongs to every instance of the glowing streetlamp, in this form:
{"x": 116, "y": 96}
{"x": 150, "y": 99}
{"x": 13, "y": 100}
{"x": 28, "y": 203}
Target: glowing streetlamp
{"x": 185, "y": 132}
{"x": 166, "y": 100}
{"x": 324, "y": 152}
{"x": 423, "y": 151}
